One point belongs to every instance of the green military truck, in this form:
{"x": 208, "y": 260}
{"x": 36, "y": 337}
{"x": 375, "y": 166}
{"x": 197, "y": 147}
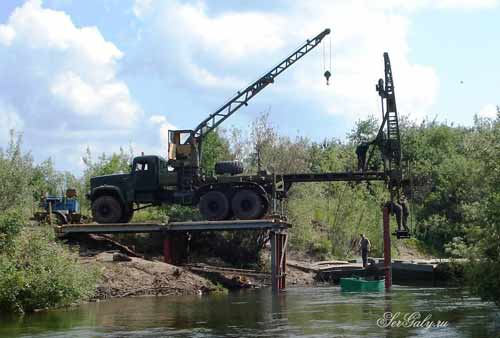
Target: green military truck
{"x": 228, "y": 194}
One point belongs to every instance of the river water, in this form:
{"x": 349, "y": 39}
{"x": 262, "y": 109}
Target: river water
{"x": 298, "y": 312}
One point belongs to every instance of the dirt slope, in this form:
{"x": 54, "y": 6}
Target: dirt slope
{"x": 141, "y": 277}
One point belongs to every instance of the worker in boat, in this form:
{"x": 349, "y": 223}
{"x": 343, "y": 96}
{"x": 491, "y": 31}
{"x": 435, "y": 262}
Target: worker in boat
{"x": 361, "y": 151}
{"x": 372, "y": 272}
{"x": 364, "y": 247}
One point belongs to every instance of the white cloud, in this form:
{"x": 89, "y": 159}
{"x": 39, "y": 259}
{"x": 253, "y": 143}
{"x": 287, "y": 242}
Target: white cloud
{"x": 165, "y": 126}
{"x": 412, "y": 5}
{"x": 257, "y": 32}
{"x": 488, "y": 110}
{"x": 69, "y": 72}
{"x": 225, "y": 49}
{"x": 157, "y": 119}
{"x": 7, "y": 34}
{"x": 60, "y": 84}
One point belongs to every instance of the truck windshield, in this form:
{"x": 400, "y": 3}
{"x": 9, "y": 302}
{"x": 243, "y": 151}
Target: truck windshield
{"x": 141, "y": 166}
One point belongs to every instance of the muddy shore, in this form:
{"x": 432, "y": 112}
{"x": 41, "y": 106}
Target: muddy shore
{"x": 139, "y": 277}
{"x": 124, "y": 275}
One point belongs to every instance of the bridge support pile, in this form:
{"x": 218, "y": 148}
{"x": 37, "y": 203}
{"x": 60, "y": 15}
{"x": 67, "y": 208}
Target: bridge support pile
{"x": 387, "y": 247}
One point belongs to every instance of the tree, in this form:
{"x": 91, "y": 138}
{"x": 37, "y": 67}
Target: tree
{"x": 364, "y": 130}
{"x": 215, "y": 148}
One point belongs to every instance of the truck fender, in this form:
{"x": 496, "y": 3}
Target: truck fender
{"x": 107, "y": 190}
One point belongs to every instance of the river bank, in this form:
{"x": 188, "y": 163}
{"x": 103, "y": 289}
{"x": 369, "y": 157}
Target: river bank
{"x": 135, "y": 276}
{"x": 138, "y": 277}
{"x": 126, "y": 273}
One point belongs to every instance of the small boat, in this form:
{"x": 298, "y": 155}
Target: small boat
{"x": 357, "y": 284}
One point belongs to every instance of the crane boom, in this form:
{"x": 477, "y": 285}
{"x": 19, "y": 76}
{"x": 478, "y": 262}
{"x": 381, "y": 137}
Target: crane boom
{"x": 243, "y": 96}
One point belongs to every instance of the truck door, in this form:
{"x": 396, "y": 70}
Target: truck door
{"x": 145, "y": 171}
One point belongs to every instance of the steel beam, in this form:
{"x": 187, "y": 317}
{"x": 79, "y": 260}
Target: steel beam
{"x": 348, "y": 176}
{"x": 110, "y": 228}
{"x": 262, "y": 224}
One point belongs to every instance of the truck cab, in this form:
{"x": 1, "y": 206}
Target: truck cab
{"x": 113, "y": 196}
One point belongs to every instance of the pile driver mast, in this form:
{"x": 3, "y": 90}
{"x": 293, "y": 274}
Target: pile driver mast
{"x": 388, "y": 138}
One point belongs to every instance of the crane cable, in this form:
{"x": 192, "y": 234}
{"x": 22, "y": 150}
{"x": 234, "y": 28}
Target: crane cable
{"x": 327, "y": 72}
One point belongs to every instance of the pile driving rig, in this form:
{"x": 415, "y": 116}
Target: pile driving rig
{"x": 225, "y": 195}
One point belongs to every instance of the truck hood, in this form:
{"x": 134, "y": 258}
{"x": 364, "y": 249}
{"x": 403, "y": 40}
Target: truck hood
{"x": 115, "y": 179}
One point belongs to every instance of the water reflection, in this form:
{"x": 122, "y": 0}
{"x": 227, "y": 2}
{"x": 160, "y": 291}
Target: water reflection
{"x": 318, "y": 312}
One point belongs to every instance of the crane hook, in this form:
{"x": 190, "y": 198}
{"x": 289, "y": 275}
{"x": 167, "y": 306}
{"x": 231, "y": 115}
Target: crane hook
{"x": 327, "y": 76}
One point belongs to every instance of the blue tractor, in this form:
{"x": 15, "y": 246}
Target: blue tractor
{"x": 60, "y": 209}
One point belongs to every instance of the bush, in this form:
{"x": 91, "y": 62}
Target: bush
{"x": 36, "y": 272}
{"x": 10, "y": 226}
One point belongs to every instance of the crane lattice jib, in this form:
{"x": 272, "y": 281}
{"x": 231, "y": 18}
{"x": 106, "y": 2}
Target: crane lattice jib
{"x": 243, "y": 96}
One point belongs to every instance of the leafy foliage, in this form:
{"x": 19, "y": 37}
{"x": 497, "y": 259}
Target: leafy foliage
{"x": 215, "y": 149}
{"x": 38, "y": 272}
{"x": 35, "y": 271}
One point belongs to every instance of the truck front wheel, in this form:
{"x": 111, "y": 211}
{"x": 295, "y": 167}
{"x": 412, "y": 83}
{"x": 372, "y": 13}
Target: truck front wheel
{"x": 107, "y": 209}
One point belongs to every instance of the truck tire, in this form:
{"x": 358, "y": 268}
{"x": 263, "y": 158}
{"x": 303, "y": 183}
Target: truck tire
{"x": 248, "y": 204}
{"x": 107, "y": 209}
{"x": 229, "y": 167}
{"x": 214, "y": 206}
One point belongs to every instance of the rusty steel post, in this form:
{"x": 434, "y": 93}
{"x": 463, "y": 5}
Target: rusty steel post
{"x": 274, "y": 280}
{"x": 278, "y": 260}
{"x": 283, "y": 240}
{"x": 167, "y": 250}
{"x": 279, "y": 255}
{"x": 387, "y": 248}
{"x": 283, "y": 262}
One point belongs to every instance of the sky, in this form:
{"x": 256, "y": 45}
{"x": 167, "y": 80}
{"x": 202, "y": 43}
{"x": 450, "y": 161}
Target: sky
{"x": 105, "y": 74}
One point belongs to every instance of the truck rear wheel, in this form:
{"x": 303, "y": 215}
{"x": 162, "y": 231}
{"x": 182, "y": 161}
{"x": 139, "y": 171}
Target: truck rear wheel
{"x": 214, "y": 206}
{"x": 247, "y": 204}
{"x": 107, "y": 209}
